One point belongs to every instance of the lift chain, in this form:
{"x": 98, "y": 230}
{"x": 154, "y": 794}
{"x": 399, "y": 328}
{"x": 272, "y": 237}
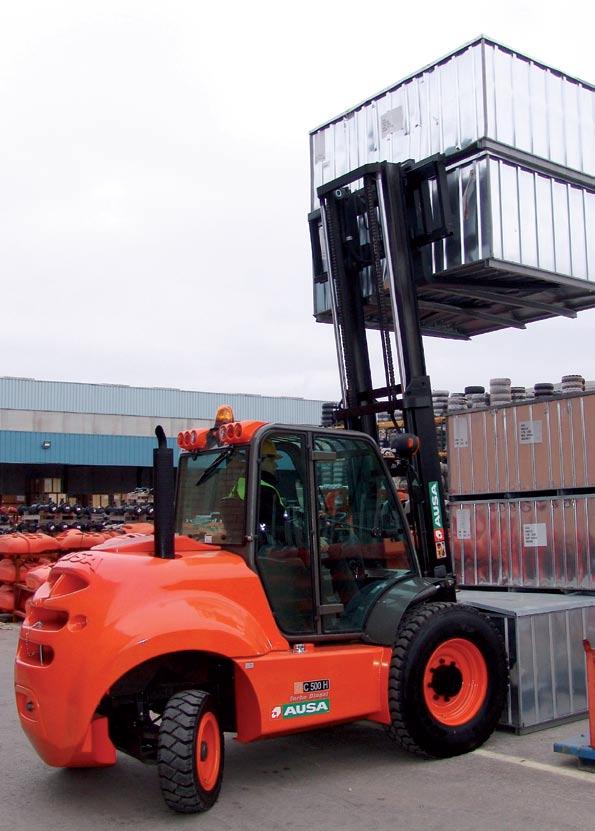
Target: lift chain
{"x": 383, "y": 302}
{"x": 334, "y": 238}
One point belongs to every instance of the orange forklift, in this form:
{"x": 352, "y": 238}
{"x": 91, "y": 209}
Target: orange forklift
{"x": 283, "y": 589}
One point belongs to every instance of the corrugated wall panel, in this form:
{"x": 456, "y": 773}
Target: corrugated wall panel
{"x": 42, "y": 421}
{"x": 77, "y": 449}
{"x": 61, "y": 396}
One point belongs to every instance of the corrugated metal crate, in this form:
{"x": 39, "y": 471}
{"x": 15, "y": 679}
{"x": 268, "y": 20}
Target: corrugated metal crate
{"x": 538, "y": 446}
{"x": 483, "y": 90}
{"x": 546, "y": 543}
{"x": 519, "y": 145}
{"x": 507, "y": 216}
{"x": 519, "y": 213}
{"x": 543, "y": 635}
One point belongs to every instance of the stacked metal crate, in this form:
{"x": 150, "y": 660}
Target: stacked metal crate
{"x": 519, "y": 139}
{"x": 543, "y": 635}
{"x": 522, "y": 493}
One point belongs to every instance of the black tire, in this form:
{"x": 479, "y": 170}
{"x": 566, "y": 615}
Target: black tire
{"x": 186, "y": 787}
{"x": 468, "y": 695}
{"x": 474, "y": 390}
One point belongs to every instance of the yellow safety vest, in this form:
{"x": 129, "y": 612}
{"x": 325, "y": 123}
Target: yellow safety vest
{"x": 239, "y": 489}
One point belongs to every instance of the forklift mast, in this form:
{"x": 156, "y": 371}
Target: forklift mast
{"x": 367, "y": 243}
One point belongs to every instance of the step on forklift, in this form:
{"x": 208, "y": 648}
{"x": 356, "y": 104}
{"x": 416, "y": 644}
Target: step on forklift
{"x": 284, "y": 589}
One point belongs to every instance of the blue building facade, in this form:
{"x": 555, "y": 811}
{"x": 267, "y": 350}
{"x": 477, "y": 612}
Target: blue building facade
{"x": 94, "y": 438}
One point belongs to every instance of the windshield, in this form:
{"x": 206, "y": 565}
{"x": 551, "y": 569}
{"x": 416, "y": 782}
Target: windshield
{"x": 211, "y": 496}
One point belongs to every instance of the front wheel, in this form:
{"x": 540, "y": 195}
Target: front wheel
{"x": 448, "y": 680}
{"x": 190, "y": 752}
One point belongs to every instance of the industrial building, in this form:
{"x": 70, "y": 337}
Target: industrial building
{"x": 91, "y": 443}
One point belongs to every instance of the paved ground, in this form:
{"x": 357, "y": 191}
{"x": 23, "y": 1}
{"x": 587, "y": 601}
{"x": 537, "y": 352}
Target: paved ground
{"x": 346, "y": 778}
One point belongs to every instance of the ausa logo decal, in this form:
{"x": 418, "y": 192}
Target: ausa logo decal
{"x": 439, "y": 537}
{"x": 302, "y": 708}
{"x": 435, "y": 505}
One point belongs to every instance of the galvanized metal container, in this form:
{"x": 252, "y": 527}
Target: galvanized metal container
{"x": 543, "y": 636}
{"x": 512, "y": 212}
{"x": 546, "y": 543}
{"x": 519, "y": 213}
{"x": 483, "y": 90}
{"x": 525, "y": 447}
{"x": 519, "y": 145}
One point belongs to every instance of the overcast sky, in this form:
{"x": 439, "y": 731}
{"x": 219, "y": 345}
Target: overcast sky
{"x": 154, "y": 180}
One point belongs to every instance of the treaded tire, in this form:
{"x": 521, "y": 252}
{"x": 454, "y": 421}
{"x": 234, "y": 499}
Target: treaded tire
{"x": 186, "y": 715}
{"x": 417, "y": 725}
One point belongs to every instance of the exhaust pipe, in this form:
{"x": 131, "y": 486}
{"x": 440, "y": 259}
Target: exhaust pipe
{"x": 163, "y": 496}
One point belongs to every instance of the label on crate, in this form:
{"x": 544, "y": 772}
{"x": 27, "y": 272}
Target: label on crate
{"x": 463, "y": 521}
{"x": 530, "y": 432}
{"x": 392, "y": 121}
{"x": 461, "y": 433}
{"x": 534, "y": 534}
{"x": 319, "y": 147}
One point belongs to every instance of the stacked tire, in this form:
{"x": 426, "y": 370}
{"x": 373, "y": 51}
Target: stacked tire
{"x": 457, "y": 402}
{"x": 500, "y": 391}
{"x": 475, "y": 397}
{"x": 518, "y": 394}
{"x": 328, "y": 414}
{"x": 572, "y": 384}
{"x": 440, "y": 402}
{"x": 543, "y": 389}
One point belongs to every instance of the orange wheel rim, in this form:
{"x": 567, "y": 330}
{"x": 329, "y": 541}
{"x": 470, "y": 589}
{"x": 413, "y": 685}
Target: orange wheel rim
{"x": 455, "y": 682}
{"x": 208, "y": 751}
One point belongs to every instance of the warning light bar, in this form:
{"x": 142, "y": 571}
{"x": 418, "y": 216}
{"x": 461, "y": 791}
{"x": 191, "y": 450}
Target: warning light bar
{"x": 226, "y": 430}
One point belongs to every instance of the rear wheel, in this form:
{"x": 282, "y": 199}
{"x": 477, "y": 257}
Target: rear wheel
{"x": 448, "y": 680}
{"x": 190, "y": 752}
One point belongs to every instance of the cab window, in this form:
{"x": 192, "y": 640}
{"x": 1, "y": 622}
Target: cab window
{"x": 362, "y": 541}
{"x": 211, "y": 504}
{"x": 282, "y": 534}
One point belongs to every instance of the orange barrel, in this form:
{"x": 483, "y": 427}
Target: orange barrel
{"x": 8, "y": 571}
{"x": 590, "y": 658}
{"x": 6, "y": 598}
{"x": 138, "y": 528}
{"x": 40, "y": 543}
{"x": 37, "y": 576}
{"x": 92, "y": 538}
{"x": 71, "y": 540}
{"x": 14, "y": 545}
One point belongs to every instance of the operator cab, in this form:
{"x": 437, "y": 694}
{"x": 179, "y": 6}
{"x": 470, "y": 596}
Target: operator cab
{"x": 313, "y": 511}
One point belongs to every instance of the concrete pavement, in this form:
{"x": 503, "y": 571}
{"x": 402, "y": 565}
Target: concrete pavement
{"x": 350, "y": 778}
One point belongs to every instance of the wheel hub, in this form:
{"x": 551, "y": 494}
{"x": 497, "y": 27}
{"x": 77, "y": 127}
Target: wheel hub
{"x": 455, "y": 682}
{"x": 447, "y": 680}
